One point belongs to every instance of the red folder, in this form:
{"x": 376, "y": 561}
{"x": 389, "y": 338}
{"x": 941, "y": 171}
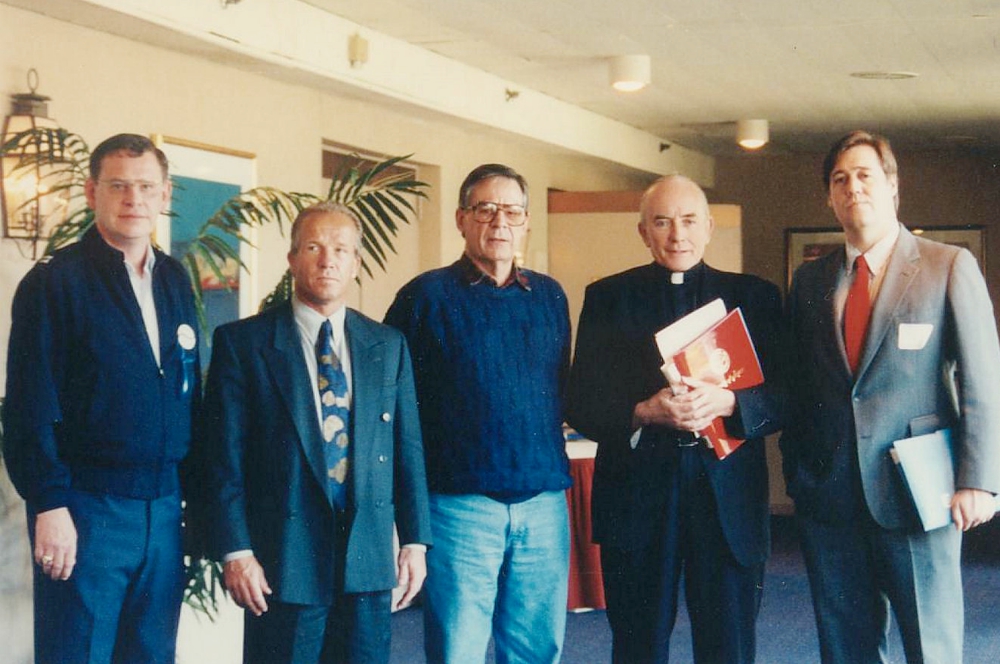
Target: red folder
{"x": 723, "y": 354}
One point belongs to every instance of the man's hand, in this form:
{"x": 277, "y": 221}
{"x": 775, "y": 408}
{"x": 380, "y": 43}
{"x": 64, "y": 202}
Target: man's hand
{"x": 55, "y": 543}
{"x": 411, "y": 570}
{"x": 971, "y": 508}
{"x": 244, "y": 578}
{"x": 691, "y": 411}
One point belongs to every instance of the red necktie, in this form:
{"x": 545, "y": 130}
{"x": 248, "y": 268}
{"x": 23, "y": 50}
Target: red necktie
{"x": 857, "y": 312}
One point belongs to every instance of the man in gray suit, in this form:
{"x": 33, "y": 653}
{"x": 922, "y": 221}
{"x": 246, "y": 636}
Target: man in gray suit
{"x": 910, "y": 349}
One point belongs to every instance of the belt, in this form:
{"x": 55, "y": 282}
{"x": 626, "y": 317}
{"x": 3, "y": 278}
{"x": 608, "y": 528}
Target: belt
{"x": 693, "y": 441}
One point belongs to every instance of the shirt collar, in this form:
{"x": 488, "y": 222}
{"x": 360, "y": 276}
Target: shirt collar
{"x": 309, "y": 321}
{"x": 97, "y": 247}
{"x": 877, "y": 255}
{"x": 147, "y": 265}
{"x": 472, "y": 275}
{"x": 682, "y": 278}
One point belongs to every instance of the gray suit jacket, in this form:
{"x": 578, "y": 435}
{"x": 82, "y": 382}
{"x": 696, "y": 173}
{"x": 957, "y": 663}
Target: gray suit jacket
{"x": 840, "y": 428}
{"x": 267, "y": 472}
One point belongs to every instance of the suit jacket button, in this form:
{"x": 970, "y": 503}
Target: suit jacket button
{"x": 386, "y": 417}
{"x": 382, "y": 458}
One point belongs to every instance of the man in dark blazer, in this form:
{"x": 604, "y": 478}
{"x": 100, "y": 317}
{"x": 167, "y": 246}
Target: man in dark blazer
{"x": 307, "y": 537}
{"x": 663, "y": 502}
{"x": 929, "y": 359}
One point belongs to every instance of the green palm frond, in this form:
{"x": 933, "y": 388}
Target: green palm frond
{"x": 59, "y": 160}
{"x": 373, "y": 194}
{"x": 281, "y": 293}
{"x": 202, "y": 586}
{"x": 383, "y": 200}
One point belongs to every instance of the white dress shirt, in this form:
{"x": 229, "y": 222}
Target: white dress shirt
{"x": 142, "y": 286}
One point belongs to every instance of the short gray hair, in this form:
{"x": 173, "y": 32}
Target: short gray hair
{"x": 326, "y": 207}
{"x": 485, "y": 172}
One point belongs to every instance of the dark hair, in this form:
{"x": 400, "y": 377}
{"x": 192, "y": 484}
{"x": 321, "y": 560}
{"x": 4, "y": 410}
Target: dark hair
{"x": 485, "y": 172}
{"x": 134, "y": 144}
{"x": 326, "y": 207}
{"x": 852, "y": 140}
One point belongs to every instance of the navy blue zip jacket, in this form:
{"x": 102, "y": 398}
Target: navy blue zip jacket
{"x": 87, "y": 408}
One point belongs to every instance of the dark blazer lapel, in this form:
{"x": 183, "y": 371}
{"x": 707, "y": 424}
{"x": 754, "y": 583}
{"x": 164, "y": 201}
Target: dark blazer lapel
{"x": 366, "y": 384}
{"x": 826, "y": 302}
{"x": 285, "y": 362}
{"x": 904, "y": 263}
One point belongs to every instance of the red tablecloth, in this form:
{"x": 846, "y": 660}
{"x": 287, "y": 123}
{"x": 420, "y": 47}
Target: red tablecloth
{"x": 586, "y": 585}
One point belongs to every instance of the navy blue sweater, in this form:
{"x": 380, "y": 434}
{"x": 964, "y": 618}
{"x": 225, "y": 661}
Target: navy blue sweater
{"x": 490, "y": 365}
{"x": 87, "y": 407}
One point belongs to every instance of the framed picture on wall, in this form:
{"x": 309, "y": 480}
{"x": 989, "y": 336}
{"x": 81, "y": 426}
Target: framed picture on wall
{"x": 803, "y": 245}
{"x": 204, "y": 177}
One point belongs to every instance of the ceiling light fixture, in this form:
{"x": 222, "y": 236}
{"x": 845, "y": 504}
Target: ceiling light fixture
{"x": 629, "y": 73}
{"x": 752, "y": 134}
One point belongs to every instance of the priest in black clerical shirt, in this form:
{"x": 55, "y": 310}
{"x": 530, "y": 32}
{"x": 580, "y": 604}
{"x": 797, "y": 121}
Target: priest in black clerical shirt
{"x": 663, "y": 503}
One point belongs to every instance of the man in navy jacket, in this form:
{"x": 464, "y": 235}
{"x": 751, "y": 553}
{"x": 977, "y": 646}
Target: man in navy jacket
{"x": 102, "y": 385}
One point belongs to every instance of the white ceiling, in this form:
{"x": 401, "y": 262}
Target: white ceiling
{"x": 715, "y": 61}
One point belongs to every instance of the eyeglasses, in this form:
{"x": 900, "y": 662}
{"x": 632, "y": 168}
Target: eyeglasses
{"x": 143, "y": 187}
{"x": 485, "y": 212}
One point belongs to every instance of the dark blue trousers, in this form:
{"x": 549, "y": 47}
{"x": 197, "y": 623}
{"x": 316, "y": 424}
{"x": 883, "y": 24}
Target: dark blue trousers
{"x": 122, "y": 602}
{"x": 642, "y": 585}
{"x": 357, "y": 629}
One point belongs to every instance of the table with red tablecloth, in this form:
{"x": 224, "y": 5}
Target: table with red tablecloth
{"x": 586, "y": 585}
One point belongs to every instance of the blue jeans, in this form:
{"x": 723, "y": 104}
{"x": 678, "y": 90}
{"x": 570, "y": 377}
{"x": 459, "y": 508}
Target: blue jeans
{"x": 497, "y": 569}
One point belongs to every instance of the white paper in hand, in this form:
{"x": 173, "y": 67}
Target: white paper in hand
{"x": 671, "y": 339}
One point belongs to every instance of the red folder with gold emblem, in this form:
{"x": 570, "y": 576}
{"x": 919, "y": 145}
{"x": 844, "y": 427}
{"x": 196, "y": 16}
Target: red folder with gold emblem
{"x": 723, "y": 354}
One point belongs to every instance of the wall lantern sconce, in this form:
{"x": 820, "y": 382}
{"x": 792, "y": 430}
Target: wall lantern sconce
{"x": 32, "y": 153}
{"x": 629, "y": 73}
{"x": 752, "y": 134}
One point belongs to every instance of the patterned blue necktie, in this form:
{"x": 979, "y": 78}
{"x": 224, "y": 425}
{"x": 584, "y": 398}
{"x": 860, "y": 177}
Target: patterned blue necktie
{"x": 332, "y": 384}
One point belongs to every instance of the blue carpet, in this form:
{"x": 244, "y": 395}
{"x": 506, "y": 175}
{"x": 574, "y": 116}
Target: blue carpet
{"x": 786, "y": 632}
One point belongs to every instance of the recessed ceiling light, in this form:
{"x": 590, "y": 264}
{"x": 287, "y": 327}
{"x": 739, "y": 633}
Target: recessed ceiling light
{"x": 629, "y": 73}
{"x": 752, "y": 134}
{"x": 884, "y": 75}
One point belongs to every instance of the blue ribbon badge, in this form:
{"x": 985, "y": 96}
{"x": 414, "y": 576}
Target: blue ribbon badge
{"x": 187, "y": 340}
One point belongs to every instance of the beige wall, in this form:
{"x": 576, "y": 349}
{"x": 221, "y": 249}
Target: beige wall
{"x": 586, "y": 246}
{"x": 936, "y": 189}
{"x": 102, "y": 84}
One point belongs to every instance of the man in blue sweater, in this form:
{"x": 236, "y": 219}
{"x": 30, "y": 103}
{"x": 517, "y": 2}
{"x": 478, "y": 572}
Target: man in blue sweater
{"x": 102, "y": 384}
{"x": 490, "y": 344}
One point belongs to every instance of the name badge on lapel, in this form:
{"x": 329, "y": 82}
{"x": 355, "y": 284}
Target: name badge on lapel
{"x": 914, "y": 336}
